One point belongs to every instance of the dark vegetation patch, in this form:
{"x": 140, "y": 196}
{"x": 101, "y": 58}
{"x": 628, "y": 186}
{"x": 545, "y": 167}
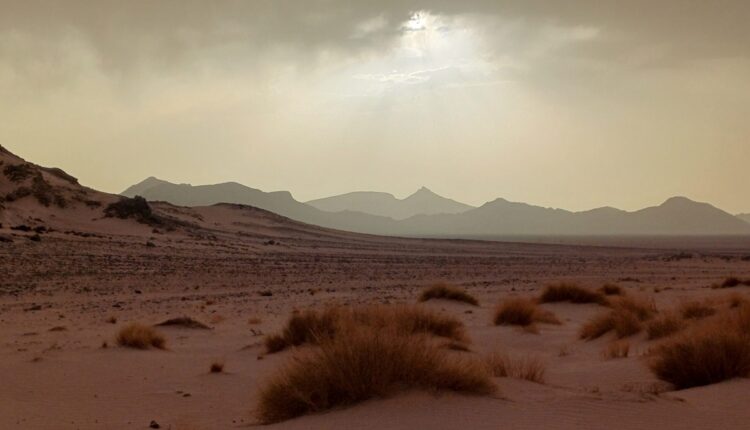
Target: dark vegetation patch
{"x": 18, "y": 172}
{"x": 184, "y": 322}
{"x": 447, "y": 292}
{"x": 571, "y": 293}
{"x": 136, "y": 208}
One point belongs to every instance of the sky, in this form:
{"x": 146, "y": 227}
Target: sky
{"x": 572, "y": 104}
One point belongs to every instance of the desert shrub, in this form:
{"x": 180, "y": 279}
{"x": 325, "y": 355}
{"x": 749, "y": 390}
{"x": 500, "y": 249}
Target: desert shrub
{"x": 140, "y": 337}
{"x": 18, "y": 172}
{"x": 522, "y": 312}
{"x": 696, "y": 310}
{"x": 731, "y": 282}
{"x": 611, "y": 290}
{"x": 664, "y": 325}
{"x": 625, "y": 318}
{"x": 447, "y": 292}
{"x": 136, "y": 208}
{"x": 312, "y": 326}
{"x": 529, "y": 368}
{"x": 18, "y": 194}
{"x": 361, "y": 363}
{"x": 712, "y": 351}
{"x": 184, "y": 322}
{"x": 614, "y": 350}
{"x": 571, "y": 293}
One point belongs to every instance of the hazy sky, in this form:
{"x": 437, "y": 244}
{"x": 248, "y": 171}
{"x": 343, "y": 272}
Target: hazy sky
{"x": 572, "y": 104}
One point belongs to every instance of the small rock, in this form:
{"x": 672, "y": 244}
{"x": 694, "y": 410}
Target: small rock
{"x": 154, "y": 425}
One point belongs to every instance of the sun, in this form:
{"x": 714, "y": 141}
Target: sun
{"x": 416, "y": 22}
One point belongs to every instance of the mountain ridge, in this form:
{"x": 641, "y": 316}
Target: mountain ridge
{"x": 675, "y": 216}
{"x": 422, "y": 201}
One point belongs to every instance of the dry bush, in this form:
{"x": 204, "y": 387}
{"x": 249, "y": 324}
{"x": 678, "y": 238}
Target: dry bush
{"x": 732, "y": 282}
{"x": 696, "y": 310}
{"x": 361, "y": 363}
{"x": 611, "y": 290}
{"x": 183, "y": 322}
{"x": 614, "y": 350}
{"x": 311, "y": 326}
{"x": 522, "y": 312}
{"x": 217, "y": 367}
{"x": 664, "y": 325}
{"x": 140, "y": 336}
{"x": 571, "y": 293}
{"x": 625, "y": 319}
{"x": 447, "y": 292}
{"x": 714, "y": 350}
{"x": 529, "y": 368}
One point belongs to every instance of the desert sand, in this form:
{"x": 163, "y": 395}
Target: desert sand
{"x": 68, "y": 285}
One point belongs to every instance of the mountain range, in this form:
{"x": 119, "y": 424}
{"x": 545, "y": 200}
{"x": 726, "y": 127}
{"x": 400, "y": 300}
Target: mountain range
{"x": 427, "y": 214}
{"x": 422, "y": 202}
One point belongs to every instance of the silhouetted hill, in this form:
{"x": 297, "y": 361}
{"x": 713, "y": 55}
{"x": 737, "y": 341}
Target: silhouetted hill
{"x": 676, "y": 216}
{"x": 279, "y": 202}
{"x": 500, "y": 217}
{"x": 422, "y": 202}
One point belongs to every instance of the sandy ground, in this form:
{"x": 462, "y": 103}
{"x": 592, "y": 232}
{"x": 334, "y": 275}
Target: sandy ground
{"x": 57, "y": 295}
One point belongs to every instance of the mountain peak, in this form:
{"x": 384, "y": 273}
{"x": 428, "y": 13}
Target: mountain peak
{"x": 424, "y": 191}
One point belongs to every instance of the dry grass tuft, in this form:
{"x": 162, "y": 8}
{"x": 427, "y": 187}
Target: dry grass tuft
{"x": 361, "y": 363}
{"x": 522, "y": 312}
{"x": 625, "y": 319}
{"x": 310, "y": 327}
{"x": 611, "y": 290}
{"x": 664, "y": 325}
{"x": 615, "y": 350}
{"x": 140, "y": 336}
{"x": 696, "y": 310}
{"x": 529, "y": 368}
{"x": 714, "y": 350}
{"x": 184, "y": 322}
{"x": 447, "y": 292}
{"x": 732, "y": 282}
{"x": 571, "y": 293}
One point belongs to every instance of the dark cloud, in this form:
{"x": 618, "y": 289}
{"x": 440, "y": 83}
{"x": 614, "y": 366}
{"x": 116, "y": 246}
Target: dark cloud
{"x": 125, "y": 34}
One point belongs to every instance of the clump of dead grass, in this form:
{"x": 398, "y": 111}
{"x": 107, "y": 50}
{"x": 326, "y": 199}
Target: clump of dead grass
{"x": 183, "y": 322}
{"x": 626, "y": 318}
{"x": 140, "y": 336}
{"x": 361, "y": 363}
{"x": 571, "y": 293}
{"x": 447, "y": 292}
{"x": 713, "y": 350}
{"x": 311, "y": 326}
{"x": 732, "y": 282}
{"x": 615, "y": 350}
{"x": 611, "y": 290}
{"x": 664, "y": 325}
{"x": 529, "y": 368}
{"x": 522, "y": 312}
{"x": 696, "y": 310}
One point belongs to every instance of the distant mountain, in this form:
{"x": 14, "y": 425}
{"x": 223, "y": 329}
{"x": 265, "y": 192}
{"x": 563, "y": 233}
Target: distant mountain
{"x": 676, "y": 216}
{"x": 744, "y": 217}
{"x": 279, "y": 202}
{"x": 422, "y": 202}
